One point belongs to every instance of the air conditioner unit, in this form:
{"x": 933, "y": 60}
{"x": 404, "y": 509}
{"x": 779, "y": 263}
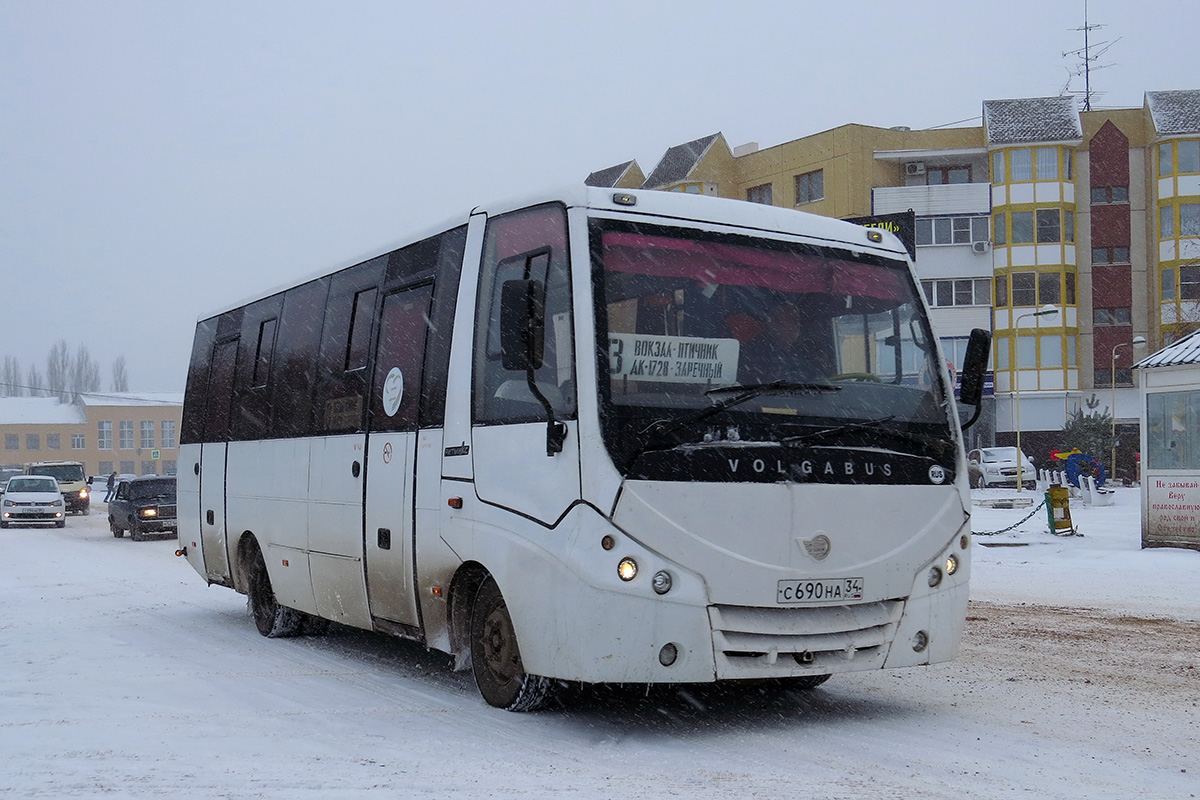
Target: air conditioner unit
{"x": 979, "y": 247}
{"x": 914, "y": 168}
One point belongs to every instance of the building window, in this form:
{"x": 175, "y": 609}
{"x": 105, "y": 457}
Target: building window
{"x": 1000, "y": 229}
{"x": 125, "y": 434}
{"x": 958, "y": 292}
{"x": 1164, "y": 159}
{"x": 126, "y": 467}
{"x": 937, "y": 176}
{"x": 1168, "y": 284}
{"x": 1020, "y": 165}
{"x": 106, "y": 468}
{"x": 1024, "y": 289}
{"x": 168, "y": 434}
{"x": 1051, "y": 351}
{"x": 1047, "y": 163}
{"x": 149, "y": 467}
{"x": 12, "y": 441}
{"x": 79, "y": 441}
{"x": 1110, "y": 194}
{"x": 1049, "y": 288}
{"x": 1189, "y": 283}
{"x": 1189, "y": 219}
{"x": 810, "y": 187}
{"x": 1001, "y": 291}
{"x": 1069, "y": 279}
{"x": 1022, "y": 227}
{"x": 147, "y": 430}
{"x": 53, "y": 441}
{"x": 104, "y": 435}
{"x": 1110, "y": 255}
{"x": 760, "y": 194}
{"x": 1027, "y": 352}
{"x": 1189, "y": 155}
{"x": 1068, "y": 164}
{"x": 1110, "y": 316}
{"x": 951, "y": 230}
{"x": 998, "y": 166}
{"x": 33, "y": 441}
{"x": 169, "y": 467}
{"x": 1166, "y": 222}
{"x": 1068, "y": 225}
{"x": 1048, "y": 229}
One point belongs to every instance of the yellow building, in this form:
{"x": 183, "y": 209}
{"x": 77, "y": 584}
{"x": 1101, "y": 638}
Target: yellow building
{"x": 128, "y": 433}
{"x": 1096, "y": 213}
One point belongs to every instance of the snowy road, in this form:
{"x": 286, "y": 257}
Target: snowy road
{"x": 121, "y": 675}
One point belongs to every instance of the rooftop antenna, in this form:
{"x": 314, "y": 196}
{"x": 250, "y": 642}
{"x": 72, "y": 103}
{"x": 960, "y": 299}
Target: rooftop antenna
{"x": 1087, "y": 55}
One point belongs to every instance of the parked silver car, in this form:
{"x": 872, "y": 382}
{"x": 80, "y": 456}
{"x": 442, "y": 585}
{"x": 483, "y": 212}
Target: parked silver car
{"x": 997, "y": 466}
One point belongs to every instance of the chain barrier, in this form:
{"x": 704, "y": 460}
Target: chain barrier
{"x": 1036, "y": 509}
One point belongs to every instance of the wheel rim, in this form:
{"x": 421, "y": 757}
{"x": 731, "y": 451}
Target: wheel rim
{"x": 499, "y": 642}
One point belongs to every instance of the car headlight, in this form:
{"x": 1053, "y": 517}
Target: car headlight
{"x": 83, "y": 493}
{"x": 58, "y": 502}
{"x": 9, "y": 504}
{"x": 149, "y": 512}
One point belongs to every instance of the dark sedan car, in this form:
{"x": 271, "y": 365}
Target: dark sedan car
{"x": 143, "y": 506}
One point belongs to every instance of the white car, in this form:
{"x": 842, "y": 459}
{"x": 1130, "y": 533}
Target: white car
{"x": 32, "y": 498}
{"x": 997, "y": 466}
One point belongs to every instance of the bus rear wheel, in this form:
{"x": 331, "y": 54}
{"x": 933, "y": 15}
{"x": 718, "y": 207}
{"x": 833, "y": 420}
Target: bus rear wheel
{"x": 271, "y": 619}
{"x": 496, "y": 658}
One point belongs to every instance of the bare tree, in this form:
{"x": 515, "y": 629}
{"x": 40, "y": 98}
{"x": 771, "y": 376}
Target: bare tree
{"x": 58, "y": 370}
{"x": 85, "y": 373}
{"x": 36, "y": 385}
{"x": 120, "y": 375}
{"x": 10, "y": 378}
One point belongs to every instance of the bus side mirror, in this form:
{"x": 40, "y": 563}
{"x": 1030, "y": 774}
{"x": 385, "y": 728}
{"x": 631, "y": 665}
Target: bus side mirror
{"x": 979, "y": 348}
{"x": 522, "y": 324}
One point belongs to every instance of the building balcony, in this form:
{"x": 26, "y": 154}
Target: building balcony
{"x": 933, "y": 201}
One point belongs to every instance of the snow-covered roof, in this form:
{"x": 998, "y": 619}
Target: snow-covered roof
{"x": 1034, "y": 119}
{"x": 1175, "y": 112}
{"x": 132, "y": 399}
{"x": 39, "y": 411}
{"x": 1185, "y": 351}
{"x": 678, "y": 162}
{"x": 610, "y": 177}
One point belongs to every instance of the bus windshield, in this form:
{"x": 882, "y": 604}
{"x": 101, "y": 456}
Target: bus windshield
{"x": 810, "y": 337}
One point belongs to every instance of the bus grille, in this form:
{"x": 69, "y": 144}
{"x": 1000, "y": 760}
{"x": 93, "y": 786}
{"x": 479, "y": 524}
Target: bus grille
{"x": 777, "y": 642}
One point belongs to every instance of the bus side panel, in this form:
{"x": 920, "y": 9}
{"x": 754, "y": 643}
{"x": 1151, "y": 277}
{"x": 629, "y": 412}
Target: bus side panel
{"x": 212, "y": 510}
{"x": 266, "y": 498}
{"x": 335, "y": 528}
{"x": 188, "y": 512}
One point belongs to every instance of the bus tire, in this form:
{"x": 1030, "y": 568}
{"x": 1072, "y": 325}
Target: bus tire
{"x": 272, "y": 620}
{"x": 496, "y": 658}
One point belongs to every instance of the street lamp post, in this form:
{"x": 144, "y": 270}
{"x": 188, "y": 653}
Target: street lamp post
{"x": 1137, "y": 342}
{"x": 1044, "y": 311}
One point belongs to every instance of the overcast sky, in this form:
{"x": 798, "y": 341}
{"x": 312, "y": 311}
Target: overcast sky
{"x": 160, "y": 160}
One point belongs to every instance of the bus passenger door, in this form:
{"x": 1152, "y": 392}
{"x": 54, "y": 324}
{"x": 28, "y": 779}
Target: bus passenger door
{"x": 212, "y": 463}
{"x": 391, "y": 454}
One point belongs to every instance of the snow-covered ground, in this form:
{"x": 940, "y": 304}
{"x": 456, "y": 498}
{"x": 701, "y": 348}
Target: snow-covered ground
{"x": 122, "y": 675}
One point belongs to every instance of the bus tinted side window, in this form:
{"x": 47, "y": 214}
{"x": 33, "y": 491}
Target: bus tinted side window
{"x": 195, "y": 399}
{"x": 341, "y": 387}
{"x": 516, "y": 246}
{"x": 295, "y": 366}
{"x": 251, "y": 405}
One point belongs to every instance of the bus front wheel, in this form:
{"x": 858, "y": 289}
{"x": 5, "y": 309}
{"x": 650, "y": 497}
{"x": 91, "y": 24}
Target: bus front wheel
{"x": 496, "y": 658}
{"x": 271, "y": 619}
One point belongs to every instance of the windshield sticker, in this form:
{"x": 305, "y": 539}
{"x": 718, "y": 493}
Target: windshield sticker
{"x": 672, "y": 359}
{"x": 393, "y": 391}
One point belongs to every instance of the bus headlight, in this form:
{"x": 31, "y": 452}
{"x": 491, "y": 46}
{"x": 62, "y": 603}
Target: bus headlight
{"x": 951, "y": 564}
{"x": 627, "y": 569}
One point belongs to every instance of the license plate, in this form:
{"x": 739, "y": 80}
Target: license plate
{"x": 819, "y": 590}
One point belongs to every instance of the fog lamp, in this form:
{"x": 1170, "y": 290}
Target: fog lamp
{"x": 951, "y": 564}
{"x": 627, "y": 569}
{"x": 668, "y": 654}
{"x": 662, "y": 582}
{"x": 920, "y": 641}
{"x": 935, "y": 576}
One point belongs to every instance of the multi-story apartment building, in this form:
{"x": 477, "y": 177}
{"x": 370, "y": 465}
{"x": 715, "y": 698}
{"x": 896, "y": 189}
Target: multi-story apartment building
{"x": 126, "y": 433}
{"x": 1093, "y": 213}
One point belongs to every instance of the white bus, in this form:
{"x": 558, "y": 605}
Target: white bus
{"x": 627, "y": 437}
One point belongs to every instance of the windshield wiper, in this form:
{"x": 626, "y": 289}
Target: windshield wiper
{"x": 940, "y": 443}
{"x": 740, "y": 394}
